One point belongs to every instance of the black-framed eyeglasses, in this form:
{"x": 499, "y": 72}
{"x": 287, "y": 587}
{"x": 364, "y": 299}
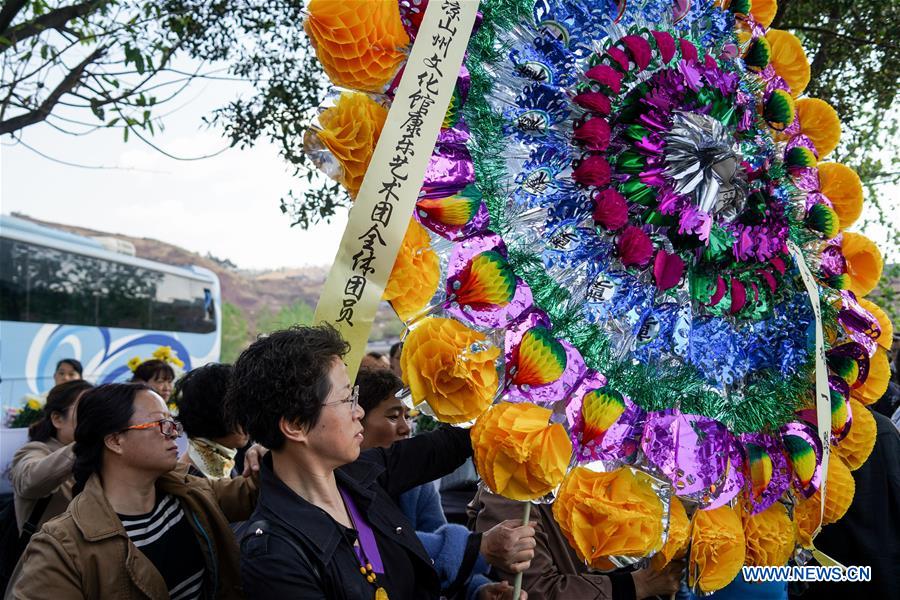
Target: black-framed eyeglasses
{"x": 168, "y": 427}
{"x": 352, "y": 399}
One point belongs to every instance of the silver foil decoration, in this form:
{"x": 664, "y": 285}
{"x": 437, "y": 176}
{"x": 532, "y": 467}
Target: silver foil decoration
{"x": 704, "y": 161}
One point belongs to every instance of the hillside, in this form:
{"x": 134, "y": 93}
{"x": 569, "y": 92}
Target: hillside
{"x": 263, "y": 298}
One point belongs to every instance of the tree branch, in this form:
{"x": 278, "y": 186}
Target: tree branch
{"x": 52, "y": 20}
{"x": 844, "y": 36}
{"x": 67, "y": 84}
{"x": 9, "y": 11}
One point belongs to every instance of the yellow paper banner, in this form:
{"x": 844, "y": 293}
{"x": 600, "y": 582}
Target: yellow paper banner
{"x": 823, "y": 396}
{"x": 387, "y": 196}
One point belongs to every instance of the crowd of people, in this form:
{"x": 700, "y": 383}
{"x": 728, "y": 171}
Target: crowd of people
{"x": 297, "y": 483}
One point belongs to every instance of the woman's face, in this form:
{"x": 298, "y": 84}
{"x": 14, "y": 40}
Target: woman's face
{"x": 162, "y": 385}
{"x": 338, "y": 435}
{"x": 147, "y": 448}
{"x": 64, "y": 372}
{"x": 386, "y": 423}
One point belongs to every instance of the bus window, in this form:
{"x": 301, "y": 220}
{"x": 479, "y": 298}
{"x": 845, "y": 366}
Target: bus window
{"x": 46, "y": 285}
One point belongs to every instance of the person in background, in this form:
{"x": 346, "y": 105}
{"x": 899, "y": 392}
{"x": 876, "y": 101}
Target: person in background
{"x": 212, "y": 442}
{"x": 869, "y": 532}
{"x": 157, "y": 374}
{"x": 556, "y": 573}
{"x": 68, "y": 369}
{"x": 327, "y": 524}
{"x": 460, "y": 557}
{"x": 394, "y": 355}
{"x": 374, "y": 360}
{"x": 138, "y": 526}
{"x": 42, "y": 468}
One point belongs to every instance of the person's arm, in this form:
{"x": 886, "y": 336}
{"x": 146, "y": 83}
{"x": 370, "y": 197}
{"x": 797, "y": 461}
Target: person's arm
{"x": 45, "y": 570}
{"x": 429, "y": 512}
{"x": 421, "y": 459}
{"x": 237, "y": 497}
{"x": 271, "y": 568}
{"x": 542, "y": 579}
{"x": 35, "y": 473}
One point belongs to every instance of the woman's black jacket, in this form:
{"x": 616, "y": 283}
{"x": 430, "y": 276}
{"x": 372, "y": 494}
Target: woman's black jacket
{"x": 293, "y": 549}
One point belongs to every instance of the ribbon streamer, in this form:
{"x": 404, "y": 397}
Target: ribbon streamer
{"x": 387, "y": 196}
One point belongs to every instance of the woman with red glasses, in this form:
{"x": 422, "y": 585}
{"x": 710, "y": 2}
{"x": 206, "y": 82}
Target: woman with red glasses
{"x": 139, "y": 525}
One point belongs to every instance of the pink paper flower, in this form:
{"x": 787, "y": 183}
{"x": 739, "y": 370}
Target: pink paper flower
{"x": 639, "y": 48}
{"x": 667, "y": 270}
{"x": 607, "y": 76}
{"x": 593, "y": 170}
{"x": 635, "y": 247}
{"x": 618, "y": 55}
{"x": 610, "y": 209}
{"x": 593, "y": 134}
{"x": 594, "y": 102}
{"x": 666, "y": 44}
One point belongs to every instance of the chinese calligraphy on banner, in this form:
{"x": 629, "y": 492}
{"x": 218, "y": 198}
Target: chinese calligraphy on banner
{"x": 385, "y": 202}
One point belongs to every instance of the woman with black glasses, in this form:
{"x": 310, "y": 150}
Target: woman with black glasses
{"x": 139, "y": 525}
{"x": 328, "y": 525}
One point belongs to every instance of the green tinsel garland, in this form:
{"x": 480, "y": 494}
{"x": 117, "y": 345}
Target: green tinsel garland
{"x": 765, "y": 404}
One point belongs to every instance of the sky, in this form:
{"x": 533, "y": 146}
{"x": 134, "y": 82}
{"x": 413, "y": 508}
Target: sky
{"x": 227, "y": 205}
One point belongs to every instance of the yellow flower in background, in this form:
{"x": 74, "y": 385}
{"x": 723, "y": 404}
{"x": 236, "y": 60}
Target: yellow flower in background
{"x": 718, "y": 548}
{"x": 360, "y": 44}
{"x": 451, "y": 367}
{"x": 517, "y": 452}
{"x": 350, "y": 130}
{"x": 770, "y": 537}
{"x": 678, "y": 536}
{"x": 610, "y": 514}
{"x": 789, "y": 60}
{"x": 34, "y": 403}
{"x": 134, "y": 363}
{"x": 416, "y": 273}
{"x": 167, "y": 355}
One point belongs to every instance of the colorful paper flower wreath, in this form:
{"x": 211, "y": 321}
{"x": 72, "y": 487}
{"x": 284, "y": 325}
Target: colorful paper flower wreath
{"x": 609, "y": 264}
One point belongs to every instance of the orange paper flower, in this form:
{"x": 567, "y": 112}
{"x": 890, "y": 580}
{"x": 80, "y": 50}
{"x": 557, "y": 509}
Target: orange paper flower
{"x": 841, "y": 488}
{"x": 857, "y": 446}
{"x": 360, "y": 44}
{"x": 764, "y": 11}
{"x": 450, "y": 367}
{"x": 864, "y": 262}
{"x": 416, "y": 273}
{"x": 842, "y": 186}
{"x": 350, "y": 130}
{"x": 609, "y": 514}
{"x": 886, "y": 339}
{"x": 876, "y": 383}
{"x": 517, "y": 452}
{"x": 820, "y": 123}
{"x": 789, "y": 60}
{"x": 678, "y": 535}
{"x": 717, "y": 548}
{"x": 770, "y": 537}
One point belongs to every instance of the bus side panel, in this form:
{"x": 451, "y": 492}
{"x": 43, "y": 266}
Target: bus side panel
{"x": 29, "y": 353}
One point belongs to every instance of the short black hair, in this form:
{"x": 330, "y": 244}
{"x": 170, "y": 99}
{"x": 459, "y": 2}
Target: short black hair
{"x": 72, "y": 362}
{"x": 395, "y": 350}
{"x": 283, "y": 374}
{"x": 375, "y": 385}
{"x": 149, "y": 369}
{"x": 199, "y": 396}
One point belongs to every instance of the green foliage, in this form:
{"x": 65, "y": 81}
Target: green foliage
{"x": 235, "y": 332}
{"x": 298, "y": 313}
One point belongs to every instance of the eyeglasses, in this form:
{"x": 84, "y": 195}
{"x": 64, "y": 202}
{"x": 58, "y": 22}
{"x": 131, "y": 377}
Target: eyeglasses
{"x": 168, "y": 427}
{"x": 352, "y": 399}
